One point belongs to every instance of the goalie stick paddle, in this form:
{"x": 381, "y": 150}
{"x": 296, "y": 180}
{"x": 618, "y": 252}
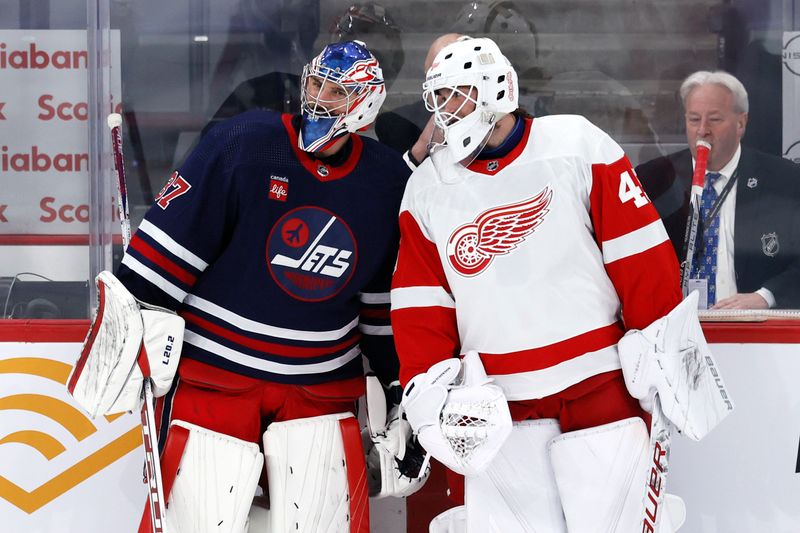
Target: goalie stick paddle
{"x": 690, "y": 236}
{"x": 152, "y": 466}
{"x": 656, "y": 481}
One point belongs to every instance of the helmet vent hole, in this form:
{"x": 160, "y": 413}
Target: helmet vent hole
{"x": 501, "y": 94}
{"x": 501, "y": 79}
{"x": 448, "y": 56}
{"x": 477, "y": 48}
{"x": 467, "y": 65}
{"x": 466, "y": 141}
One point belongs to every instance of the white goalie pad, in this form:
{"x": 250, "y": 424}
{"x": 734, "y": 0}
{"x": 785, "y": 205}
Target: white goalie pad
{"x": 517, "y": 492}
{"x": 124, "y": 344}
{"x": 671, "y": 356}
{"x": 605, "y": 476}
{"x": 395, "y": 464}
{"x": 451, "y": 521}
{"x": 462, "y": 423}
{"x": 215, "y": 485}
{"x": 109, "y": 353}
{"x": 316, "y": 475}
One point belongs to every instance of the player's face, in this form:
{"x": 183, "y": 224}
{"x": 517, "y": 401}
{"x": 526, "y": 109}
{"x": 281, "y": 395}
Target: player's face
{"x": 711, "y": 116}
{"x": 456, "y": 102}
{"x": 326, "y": 94}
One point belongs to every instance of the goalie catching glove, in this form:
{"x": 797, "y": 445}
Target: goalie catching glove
{"x": 459, "y": 416}
{"x": 395, "y": 462}
{"x": 671, "y": 357}
{"x": 125, "y": 345}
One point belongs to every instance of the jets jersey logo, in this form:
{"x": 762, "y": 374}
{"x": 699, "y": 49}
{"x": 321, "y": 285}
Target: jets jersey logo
{"x": 498, "y": 231}
{"x": 311, "y": 253}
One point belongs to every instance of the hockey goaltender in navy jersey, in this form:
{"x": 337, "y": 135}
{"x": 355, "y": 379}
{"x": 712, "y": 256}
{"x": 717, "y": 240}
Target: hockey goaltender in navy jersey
{"x": 280, "y": 264}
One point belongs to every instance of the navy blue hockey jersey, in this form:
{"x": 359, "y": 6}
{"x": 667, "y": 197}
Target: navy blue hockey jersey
{"x": 280, "y": 264}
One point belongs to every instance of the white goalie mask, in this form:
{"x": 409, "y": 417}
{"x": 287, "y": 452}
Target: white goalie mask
{"x": 469, "y": 74}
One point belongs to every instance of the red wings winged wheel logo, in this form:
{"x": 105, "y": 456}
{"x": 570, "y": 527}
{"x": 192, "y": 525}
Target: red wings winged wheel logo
{"x": 498, "y": 231}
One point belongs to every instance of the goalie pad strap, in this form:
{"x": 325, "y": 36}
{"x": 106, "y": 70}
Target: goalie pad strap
{"x": 356, "y": 475}
{"x": 170, "y": 461}
{"x": 171, "y": 456}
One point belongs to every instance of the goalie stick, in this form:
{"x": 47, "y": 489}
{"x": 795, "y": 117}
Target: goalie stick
{"x": 660, "y": 425}
{"x": 152, "y": 466}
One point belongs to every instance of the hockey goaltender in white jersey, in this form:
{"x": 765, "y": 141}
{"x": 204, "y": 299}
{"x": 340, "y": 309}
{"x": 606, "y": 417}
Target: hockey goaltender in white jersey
{"x": 529, "y": 262}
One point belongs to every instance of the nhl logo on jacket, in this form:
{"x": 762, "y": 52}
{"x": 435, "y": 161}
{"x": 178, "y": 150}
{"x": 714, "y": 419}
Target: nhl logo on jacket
{"x": 497, "y": 231}
{"x": 311, "y": 253}
{"x": 769, "y": 244}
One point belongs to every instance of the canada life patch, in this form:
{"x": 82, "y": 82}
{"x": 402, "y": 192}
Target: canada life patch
{"x": 311, "y": 253}
{"x": 278, "y": 188}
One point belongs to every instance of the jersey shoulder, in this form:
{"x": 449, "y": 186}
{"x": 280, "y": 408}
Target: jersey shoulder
{"x": 572, "y": 135}
{"x": 384, "y": 163}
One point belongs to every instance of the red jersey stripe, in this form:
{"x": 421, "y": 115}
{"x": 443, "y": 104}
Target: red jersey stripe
{"x": 418, "y": 263}
{"x": 268, "y": 347}
{"x": 430, "y": 335}
{"x": 168, "y": 266}
{"x": 553, "y": 354}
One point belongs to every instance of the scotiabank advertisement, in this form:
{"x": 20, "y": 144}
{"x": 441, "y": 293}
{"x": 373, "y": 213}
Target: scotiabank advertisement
{"x": 44, "y": 139}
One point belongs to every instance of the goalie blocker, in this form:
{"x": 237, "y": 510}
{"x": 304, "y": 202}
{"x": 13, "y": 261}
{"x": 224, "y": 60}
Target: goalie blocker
{"x": 126, "y": 343}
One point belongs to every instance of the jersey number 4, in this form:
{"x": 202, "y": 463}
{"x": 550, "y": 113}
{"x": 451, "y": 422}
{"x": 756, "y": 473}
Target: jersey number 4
{"x": 628, "y": 190}
{"x": 176, "y": 186}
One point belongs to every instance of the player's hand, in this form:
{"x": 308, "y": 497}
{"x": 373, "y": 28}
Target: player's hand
{"x": 430, "y": 135}
{"x": 750, "y": 300}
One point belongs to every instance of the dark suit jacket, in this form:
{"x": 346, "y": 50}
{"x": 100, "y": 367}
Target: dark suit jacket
{"x": 766, "y": 224}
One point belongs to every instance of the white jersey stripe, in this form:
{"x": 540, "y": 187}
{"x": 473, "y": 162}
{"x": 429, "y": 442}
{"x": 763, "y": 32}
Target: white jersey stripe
{"x": 265, "y": 329}
{"x": 170, "y": 244}
{"x": 421, "y": 297}
{"x": 374, "y": 297}
{"x": 548, "y": 381}
{"x": 270, "y": 366}
{"x": 153, "y": 277}
{"x": 634, "y": 242}
{"x": 375, "y": 330}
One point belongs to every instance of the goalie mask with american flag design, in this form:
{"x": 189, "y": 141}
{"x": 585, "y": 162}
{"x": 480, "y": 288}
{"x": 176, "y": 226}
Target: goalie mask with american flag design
{"x": 358, "y": 94}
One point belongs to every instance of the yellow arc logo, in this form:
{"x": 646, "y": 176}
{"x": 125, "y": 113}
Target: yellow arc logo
{"x": 70, "y": 418}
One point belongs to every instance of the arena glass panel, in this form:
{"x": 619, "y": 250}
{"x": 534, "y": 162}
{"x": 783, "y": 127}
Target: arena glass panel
{"x": 185, "y": 65}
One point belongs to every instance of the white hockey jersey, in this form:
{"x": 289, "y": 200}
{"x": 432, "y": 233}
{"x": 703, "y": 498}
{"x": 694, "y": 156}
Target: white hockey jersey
{"x": 532, "y": 260}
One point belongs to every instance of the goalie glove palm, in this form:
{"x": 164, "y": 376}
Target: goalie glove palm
{"x": 463, "y": 425}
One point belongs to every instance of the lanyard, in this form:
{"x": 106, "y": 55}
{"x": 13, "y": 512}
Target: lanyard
{"x": 724, "y": 194}
{"x": 715, "y": 210}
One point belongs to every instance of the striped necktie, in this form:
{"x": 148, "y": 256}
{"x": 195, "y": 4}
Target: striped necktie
{"x": 705, "y": 264}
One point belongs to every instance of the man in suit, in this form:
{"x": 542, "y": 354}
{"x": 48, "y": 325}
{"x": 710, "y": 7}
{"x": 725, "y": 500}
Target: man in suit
{"x": 757, "y": 260}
